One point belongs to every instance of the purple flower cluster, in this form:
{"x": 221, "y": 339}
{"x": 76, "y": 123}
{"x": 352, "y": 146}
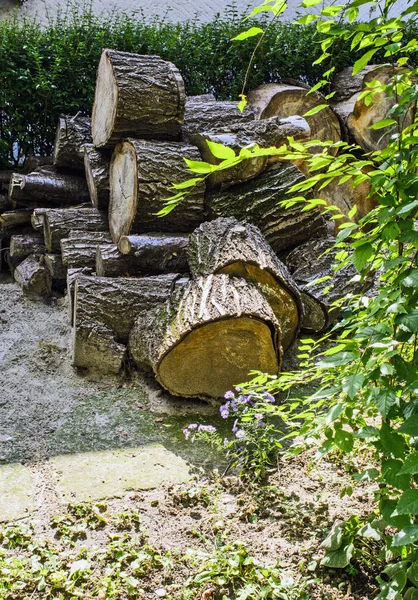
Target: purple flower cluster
{"x": 194, "y": 427}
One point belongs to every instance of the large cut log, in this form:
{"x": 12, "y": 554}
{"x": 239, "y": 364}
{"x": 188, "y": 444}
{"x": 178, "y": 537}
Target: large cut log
{"x": 59, "y": 222}
{"x": 21, "y": 246}
{"x": 33, "y": 277}
{"x": 57, "y": 271}
{"x": 282, "y": 100}
{"x": 208, "y": 337}
{"x": 211, "y": 116}
{"x": 110, "y": 262}
{"x": 138, "y": 96}
{"x": 311, "y": 265}
{"x": 239, "y": 250}
{"x": 156, "y": 252}
{"x": 72, "y": 275}
{"x": 11, "y": 218}
{"x": 72, "y": 133}
{"x": 105, "y": 310}
{"x": 141, "y": 176}
{"x": 96, "y": 166}
{"x": 356, "y": 116}
{"x": 49, "y": 187}
{"x": 266, "y": 134}
{"x": 78, "y": 250}
{"x": 256, "y": 202}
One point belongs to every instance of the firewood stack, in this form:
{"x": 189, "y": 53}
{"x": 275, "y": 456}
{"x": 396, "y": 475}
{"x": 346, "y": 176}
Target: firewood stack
{"x": 198, "y": 297}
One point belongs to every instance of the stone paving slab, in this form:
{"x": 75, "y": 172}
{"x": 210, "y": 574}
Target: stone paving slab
{"x": 112, "y": 473}
{"x": 16, "y": 492}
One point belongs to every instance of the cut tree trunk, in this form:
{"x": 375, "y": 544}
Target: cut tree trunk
{"x": 96, "y": 165}
{"x": 281, "y": 100}
{"x": 105, "y": 310}
{"x": 212, "y": 116}
{"x": 141, "y": 176}
{"x": 156, "y": 252}
{"x": 78, "y": 250}
{"x": 33, "y": 277}
{"x": 56, "y": 270}
{"x": 72, "y": 275}
{"x": 136, "y": 96}
{"x": 22, "y": 246}
{"x": 59, "y": 222}
{"x": 266, "y": 134}
{"x": 356, "y": 116}
{"x": 110, "y": 262}
{"x": 37, "y": 163}
{"x": 313, "y": 261}
{"x": 72, "y": 133}
{"x": 208, "y": 337}
{"x": 11, "y": 218}
{"x": 239, "y": 250}
{"x": 257, "y": 201}
{"x": 37, "y": 219}
{"x": 49, "y": 187}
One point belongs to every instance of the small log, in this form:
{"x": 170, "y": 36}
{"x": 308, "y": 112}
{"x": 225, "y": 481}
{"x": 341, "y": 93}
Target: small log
{"x": 212, "y": 116}
{"x": 11, "y": 218}
{"x": 239, "y": 250}
{"x": 137, "y": 96}
{"x": 266, "y": 134}
{"x": 199, "y": 99}
{"x": 5, "y": 203}
{"x": 33, "y": 277}
{"x": 37, "y": 163}
{"x": 96, "y": 165}
{"x": 59, "y": 222}
{"x": 21, "y": 246}
{"x": 356, "y": 116}
{"x": 105, "y": 310}
{"x": 72, "y": 133}
{"x": 49, "y": 187}
{"x": 141, "y": 176}
{"x": 157, "y": 253}
{"x": 72, "y": 275}
{"x": 208, "y": 337}
{"x": 5, "y": 177}
{"x": 257, "y": 202}
{"x": 314, "y": 261}
{"x": 282, "y": 100}
{"x": 78, "y": 250}
{"x": 112, "y": 263}
{"x": 37, "y": 219}
{"x": 56, "y": 270}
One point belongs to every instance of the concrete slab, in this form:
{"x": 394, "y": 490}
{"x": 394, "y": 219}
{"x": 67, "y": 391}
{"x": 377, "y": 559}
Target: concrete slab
{"x": 16, "y": 493}
{"x": 112, "y": 473}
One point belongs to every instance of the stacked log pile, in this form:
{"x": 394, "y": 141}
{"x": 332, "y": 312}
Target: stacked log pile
{"x": 198, "y": 297}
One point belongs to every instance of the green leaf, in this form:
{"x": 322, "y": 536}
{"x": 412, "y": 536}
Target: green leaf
{"x": 309, "y": 3}
{"x": 334, "y": 413}
{"x": 315, "y": 110}
{"x": 410, "y": 426}
{"x": 409, "y": 320}
{"x": 242, "y": 103}
{"x": 187, "y": 184}
{"x": 352, "y": 384}
{"x": 342, "y": 358}
{"x": 384, "y": 400}
{"x": 339, "y": 559}
{"x": 251, "y": 32}
{"x": 370, "y": 532}
{"x": 220, "y": 151}
{"x": 410, "y": 464}
{"x": 411, "y": 593}
{"x": 363, "y": 61}
{"x": 344, "y": 440}
{"x": 367, "y": 475}
{"x": 392, "y": 441}
{"x": 382, "y": 124}
{"x": 408, "y": 503}
{"x": 367, "y": 432}
{"x": 197, "y": 166}
{"x": 392, "y": 476}
{"x": 361, "y": 255}
{"x": 412, "y": 573}
{"x": 391, "y": 590}
{"x": 407, "y": 536}
{"x": 334, "y": 538}
{"x": 411, "y": 280}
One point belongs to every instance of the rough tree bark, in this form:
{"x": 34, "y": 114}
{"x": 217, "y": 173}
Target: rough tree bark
{"x": 156, "y": 252}
{"x": 72, "y": 133}
{"x": 22, "y": 246}
{"x": 78, "y": 250}
{"x": 110, "y": 262}
{"x": 72, "y": 275}
{"x": 104, "y": 312}
{"x": 137, "y": 96}
{"x": 141, "y": 175}
{"x": 211, "y": 116}
{"x": 57, "y": 271}
{"x": 208, "y": 337}
{"x": 33, "y": 277}
{"x": 59, "y": 222}
{"x": 239, "y": 250}
{"x": 11, "y": 218}
{"x": 257, "y": 201}
{"x": 49, "y": 187}
{"x": 96, "y": 165}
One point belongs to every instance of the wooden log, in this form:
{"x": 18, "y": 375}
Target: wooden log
{"x": 239, "y": 250}
{"x": 141, "y": 176}
{"x": 212, "y": 116}
{"x": 96, "y": 165}
{"x": 12, "y": 218}
{"x": 72, "y": 133}
{"x": 199, "y": 99}
{"x": 56, "y": 270}
{"x": 21, "y": 246}
{"x": 78, "y": 250}
{"x": 283, "y": 100}
{"x": 37, "y": 219}
{"x": 49, "y": 187}
{"x": 105, "y": 310}
{"x": 5, "y": 177}
{"x": 137, "y": 96}
{"x": 59, "y": 222}
{"x": 37, "y": 163}
{"x": 309, "y": 264}
{"x": 157, "y": 253}
{"x": 357, "y": 117}
{"x": 5, "y": 203}
{"x": 256, "y": 202}
{"x": 72, "y": 275}
{"x": 33, "y": 277}
{"x": 208, "y": 337}
{"x": 266, "y": 134}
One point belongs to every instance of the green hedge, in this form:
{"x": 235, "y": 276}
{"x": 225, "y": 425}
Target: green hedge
{"x": 51, "y": 70}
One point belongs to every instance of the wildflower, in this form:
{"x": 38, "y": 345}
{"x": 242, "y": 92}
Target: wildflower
{"x": 224, "y": 411}
{"x": 192, "y": 426}
{"x": 240, "y": 434}
{"x": 233, "y": 406}
{"x": 238, "y": 389}
{"x": 206, "y": 429}
{"x": 258, "y": 416}
{"x": 186, "y": 433}
{"x": 235, "y": 426}
{"x": 269, "y": 397}
{"x": 261, "y": 424}
{"x": 228, "y": 395}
